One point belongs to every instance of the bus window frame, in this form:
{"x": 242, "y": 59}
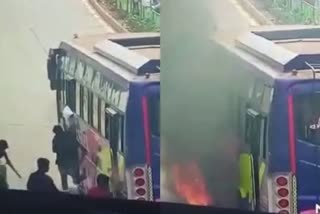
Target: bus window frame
{"x": 79, "y": 74}
{"x": 118, "y": 118}
{"x": 121, "y": 145}
{"x": 267, "y": 98}
{"x": 78, "y": 98}
{"x": 102, "y": 128}
{"x": 72, "y": 66}
{"x": 258, "y": 92}
{"x": 85, "y": 104}
{"x": 304, "y": 94}
{"x": 263, "y": 134}
{"x": 258, "y": 119}
{"x": 95, "y": 111}
{"x": 71, "y": 98}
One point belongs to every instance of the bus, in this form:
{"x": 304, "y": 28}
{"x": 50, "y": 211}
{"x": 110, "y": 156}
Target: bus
{"x": 110, "y": 86}
{"x": 275, "y": 107}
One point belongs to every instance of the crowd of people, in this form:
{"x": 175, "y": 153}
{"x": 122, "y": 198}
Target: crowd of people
{"x": 65, "y": 146}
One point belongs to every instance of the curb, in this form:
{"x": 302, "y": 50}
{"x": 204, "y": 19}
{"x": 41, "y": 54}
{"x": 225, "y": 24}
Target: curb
{"x": 107, "y": 17}
{"x": 255, "y": 13}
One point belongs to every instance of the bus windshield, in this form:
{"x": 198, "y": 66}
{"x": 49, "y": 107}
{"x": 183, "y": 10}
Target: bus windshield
{"x": 307, "y": 117}
{"x": 154, "y": 114}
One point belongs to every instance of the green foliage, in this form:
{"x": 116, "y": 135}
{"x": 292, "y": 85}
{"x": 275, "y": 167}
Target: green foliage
{"x": 286, "y": 14}
{"x": 137, "y": 24}
{"x": 133, "y": 21}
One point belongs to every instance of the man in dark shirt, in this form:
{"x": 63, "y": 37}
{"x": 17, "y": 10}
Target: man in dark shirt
{"x": 39, "y": 181}
{"x": 65, "y": 145}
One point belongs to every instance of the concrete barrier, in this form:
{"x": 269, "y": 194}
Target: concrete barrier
{"x": 255, "y": 13}
{"x": 116, "y": 25}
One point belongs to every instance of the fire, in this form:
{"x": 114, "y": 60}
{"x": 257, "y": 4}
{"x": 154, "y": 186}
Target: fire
{"x": 190, "y": 185}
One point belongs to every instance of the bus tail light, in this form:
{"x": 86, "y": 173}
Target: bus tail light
{"x": 281, "y": 181}
{"x": 282, "y": 187}
{"x": 140, "y": 184}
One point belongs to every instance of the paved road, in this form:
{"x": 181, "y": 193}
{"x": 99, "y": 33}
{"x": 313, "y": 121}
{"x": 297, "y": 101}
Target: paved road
{"x": 230, "y": 18}
{"x": 27, "y": 29}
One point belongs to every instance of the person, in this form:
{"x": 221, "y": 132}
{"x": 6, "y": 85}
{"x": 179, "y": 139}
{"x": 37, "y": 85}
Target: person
{"x": 102, "y": 189}
{"x": 39, "y": 181}
{"x": 3, "y": 154}
{"x": 3, "y": 183}
{"x": 58, "y": 143}
{"x": 65, "y": 145}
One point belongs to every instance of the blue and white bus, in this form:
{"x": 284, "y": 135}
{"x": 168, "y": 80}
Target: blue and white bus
{"x": 276, "y": 108}
{"x": 111, "y": 83}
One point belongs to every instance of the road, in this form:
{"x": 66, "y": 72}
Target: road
{"x": 230, "y": 18}
{"x": 28, "y": 29}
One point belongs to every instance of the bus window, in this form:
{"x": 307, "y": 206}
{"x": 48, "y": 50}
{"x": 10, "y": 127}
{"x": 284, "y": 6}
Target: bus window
{"x": 121, "y": 134}
{"x": 72, "y": 66}
{"x": 78, "y": 96}
{"x": 95, "y": 112}
{"x": 103, "y": 118}
{"x": 66, "y": 64}
{"x": 267, "y": 99}
{"x": 255, "y": 137}
{"x": 71, "y": 94}
{"x": 80, "y": 69}
{"x": 64, "y": 90}
{"x": 251, "y": 88}
{"x": 154, "y": 114}
{"x": 88, "y": 77}
{"x": 89, "y": 106}
{"x": 258, "y": 93}
{"x": 263, "y": 136}
{"x": 85, "y": 104}
{"x": 107, "y": 123}
{"x": 114, "y": 130}
{"x": 256, "y": 132}
{"x": 81, "y": 101}
{"x": 307, "y": 117}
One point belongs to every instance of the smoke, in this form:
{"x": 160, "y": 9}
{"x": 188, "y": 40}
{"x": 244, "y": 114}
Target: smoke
{"x": 194, "y": 97}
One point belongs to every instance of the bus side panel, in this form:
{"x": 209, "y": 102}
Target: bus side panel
{"x": 135, "y": 151}
{"x": 153, "y": 89}
{"x": 279, "y": 132}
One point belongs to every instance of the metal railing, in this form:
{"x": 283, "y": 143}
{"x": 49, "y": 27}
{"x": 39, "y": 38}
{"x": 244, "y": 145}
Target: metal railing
{"x": 295, "y": 11}
{"x": 140, "y": 10}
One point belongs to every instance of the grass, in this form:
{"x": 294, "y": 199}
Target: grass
{"x": 134, "y": 23}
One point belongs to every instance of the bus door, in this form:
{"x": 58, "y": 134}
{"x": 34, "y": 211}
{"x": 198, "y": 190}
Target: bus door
{"x": 116, "y": 129}
{"x": 252, "y": 163}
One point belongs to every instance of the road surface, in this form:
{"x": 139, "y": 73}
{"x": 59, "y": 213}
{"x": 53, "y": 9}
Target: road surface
{"x": 230, "y": 18}
{"x": 28, "y": 28}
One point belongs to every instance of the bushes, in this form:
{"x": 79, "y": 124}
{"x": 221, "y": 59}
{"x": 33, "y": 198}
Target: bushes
{"x": 135, "y": 17}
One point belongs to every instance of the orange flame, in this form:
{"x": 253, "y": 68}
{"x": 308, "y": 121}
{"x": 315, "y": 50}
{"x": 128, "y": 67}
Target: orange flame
{"x": 190, "y": 184}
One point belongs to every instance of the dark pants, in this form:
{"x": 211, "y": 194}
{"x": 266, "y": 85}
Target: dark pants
{"x": 71, "y": 170}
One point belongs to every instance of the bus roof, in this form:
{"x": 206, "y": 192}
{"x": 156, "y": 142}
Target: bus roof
{"x": 281, "y": 51}
{"x": 129, "y": 56}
